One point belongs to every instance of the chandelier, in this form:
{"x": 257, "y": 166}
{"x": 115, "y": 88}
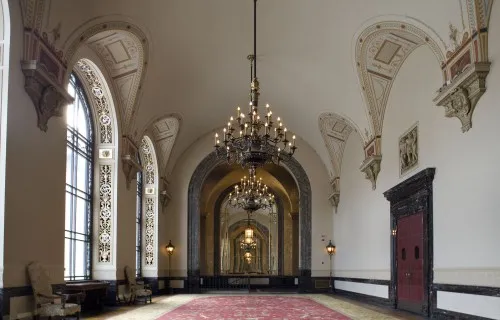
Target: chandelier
{"x": 251, "y": 194}
{"x": 248, "y": 243}
{"x": 253, "y": 140}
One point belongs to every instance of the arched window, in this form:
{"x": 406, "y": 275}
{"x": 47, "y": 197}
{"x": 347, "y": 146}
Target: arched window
{"x": 79, "y": 173}
{"x": 138, "y": 226}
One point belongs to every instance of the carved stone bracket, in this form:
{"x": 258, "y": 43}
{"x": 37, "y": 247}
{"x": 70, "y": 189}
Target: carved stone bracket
{"x": 44, "y": 70}
{"x": 371, "y": 168}
{"x": 460, "y": 97}
{"x": 47, "y": 96}
{"x": 164, "y": 194}
{"x": 130, "y": 161}
{"x": 334, "y": 197}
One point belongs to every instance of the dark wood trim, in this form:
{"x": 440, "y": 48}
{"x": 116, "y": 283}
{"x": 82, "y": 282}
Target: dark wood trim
{"x": 367, "y": 281}
{"x": 412, "y": 196}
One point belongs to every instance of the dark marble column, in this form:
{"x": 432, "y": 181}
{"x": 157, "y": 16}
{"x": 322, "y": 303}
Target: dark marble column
{"x": 295, "y": 242}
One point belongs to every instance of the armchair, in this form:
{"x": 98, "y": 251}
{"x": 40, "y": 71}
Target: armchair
{"x": 48, "y": 303}
{"x": 138, "y": 290}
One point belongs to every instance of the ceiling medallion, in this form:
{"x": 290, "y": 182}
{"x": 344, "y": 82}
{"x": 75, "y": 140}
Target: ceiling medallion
{"x": 251, "y": 140}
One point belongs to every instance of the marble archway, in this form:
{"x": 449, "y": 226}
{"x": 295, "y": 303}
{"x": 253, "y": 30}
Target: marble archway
{"x": 194, "y": 192}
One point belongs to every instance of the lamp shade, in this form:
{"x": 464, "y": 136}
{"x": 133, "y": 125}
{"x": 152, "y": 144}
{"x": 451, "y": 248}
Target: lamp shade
{"x": 170, "y": 247}
{"x": 330, "y": 248}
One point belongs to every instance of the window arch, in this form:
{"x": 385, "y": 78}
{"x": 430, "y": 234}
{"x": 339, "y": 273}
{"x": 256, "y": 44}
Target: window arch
{"x": 103, "y": 250}
{"x": 150, "y": 208}
{"x": 79, "y": 185}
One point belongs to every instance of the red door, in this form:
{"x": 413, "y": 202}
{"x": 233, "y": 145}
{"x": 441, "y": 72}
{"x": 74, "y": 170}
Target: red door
{"x": 410, "y": 262}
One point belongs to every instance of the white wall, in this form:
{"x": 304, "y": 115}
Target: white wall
{"x": 173, "y": 225}
{"x": 465, "y": 187}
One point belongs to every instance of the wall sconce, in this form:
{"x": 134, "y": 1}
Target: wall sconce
{"x": 330, "y": 248}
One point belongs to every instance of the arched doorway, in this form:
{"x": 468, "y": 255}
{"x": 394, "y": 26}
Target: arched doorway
{"x": 194, "y": 209}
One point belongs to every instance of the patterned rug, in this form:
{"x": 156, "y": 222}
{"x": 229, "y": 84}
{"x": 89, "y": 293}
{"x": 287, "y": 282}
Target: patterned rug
{"x": 162, "y": 307}
{"x": 252, "y": 308}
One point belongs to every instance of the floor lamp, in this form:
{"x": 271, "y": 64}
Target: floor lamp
{"x": 331, "y": 249}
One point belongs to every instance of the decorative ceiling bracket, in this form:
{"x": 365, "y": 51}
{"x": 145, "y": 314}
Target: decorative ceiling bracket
{"x": 460, "y": 97}
{"x": 371, "y": 168}
{"x": 371, "y": 165}
{"x": 334, "y": 197}
{"x": 130, "y": 161}
{"x": 48, "y": 97}
{"x": 466, "y": 66}
{"x": 164, "y": 193}
{"x": 44, "y": 69}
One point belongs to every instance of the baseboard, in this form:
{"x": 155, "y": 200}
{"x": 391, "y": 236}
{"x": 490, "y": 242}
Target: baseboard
{"x": 378, "y": 301}
{"x": 452, "y": 315}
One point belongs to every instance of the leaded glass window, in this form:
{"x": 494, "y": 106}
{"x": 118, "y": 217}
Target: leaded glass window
{"x": 79, "y": 168}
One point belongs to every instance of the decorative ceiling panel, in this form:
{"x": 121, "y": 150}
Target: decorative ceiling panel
{"x": 335, "y": 131}
{"x": 380, "y": 52}
{"x": 164, "y": 134}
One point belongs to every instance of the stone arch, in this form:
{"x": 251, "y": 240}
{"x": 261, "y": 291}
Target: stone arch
{"x": 281, "y": 222}
{"x": 305, "y": 218}
{"x": 380, "y": 49}
{"x": 150, "y": 248}
{"x": 105, "y": 166}
{"x": 4, "y": 87}
{"x": 128, "y": 74}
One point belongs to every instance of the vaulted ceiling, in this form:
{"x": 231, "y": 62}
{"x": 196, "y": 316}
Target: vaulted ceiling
{"x": 195, "y": 65}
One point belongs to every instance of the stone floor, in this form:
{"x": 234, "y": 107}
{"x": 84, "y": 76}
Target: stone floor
{"x": 162, "y": 304}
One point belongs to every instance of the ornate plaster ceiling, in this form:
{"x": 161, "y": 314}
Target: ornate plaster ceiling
{"x": 380, "y": 52}
{"x": 335, "y": 131}
{"x": 164, "y": 133}
{"x": 306, "y": 50}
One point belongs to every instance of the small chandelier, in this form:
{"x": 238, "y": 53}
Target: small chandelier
{"x": 251, "y": 140}
{"x": 248, "y": 243}
{"x": 251, "y": 194}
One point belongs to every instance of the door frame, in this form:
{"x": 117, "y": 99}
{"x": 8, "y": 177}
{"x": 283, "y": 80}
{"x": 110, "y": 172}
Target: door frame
{"x": 412, "y": 196}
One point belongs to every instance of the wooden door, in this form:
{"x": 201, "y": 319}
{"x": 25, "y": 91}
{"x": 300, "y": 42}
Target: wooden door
{"x": 410, "y": 262}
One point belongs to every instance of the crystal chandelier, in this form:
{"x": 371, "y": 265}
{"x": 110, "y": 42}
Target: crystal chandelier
{"x": 251, "y": 194}
{"x": 251, "y": 140}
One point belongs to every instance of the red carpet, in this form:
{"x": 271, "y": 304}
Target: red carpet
{"x": 252, "y": 308}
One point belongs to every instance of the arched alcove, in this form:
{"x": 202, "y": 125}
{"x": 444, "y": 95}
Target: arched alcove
{"x": 194, "y": 191}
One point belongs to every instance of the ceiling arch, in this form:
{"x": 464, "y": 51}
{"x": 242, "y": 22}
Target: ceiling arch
{"x": 335, "y": 131}
{"x": 380, "y": 50}
{"x": 164, "y": 131}
{"x": 124, "y": 50}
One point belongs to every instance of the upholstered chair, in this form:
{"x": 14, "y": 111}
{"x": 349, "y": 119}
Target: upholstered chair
{"x": 138, "y": 290}
{"x": 50, "y": 304}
